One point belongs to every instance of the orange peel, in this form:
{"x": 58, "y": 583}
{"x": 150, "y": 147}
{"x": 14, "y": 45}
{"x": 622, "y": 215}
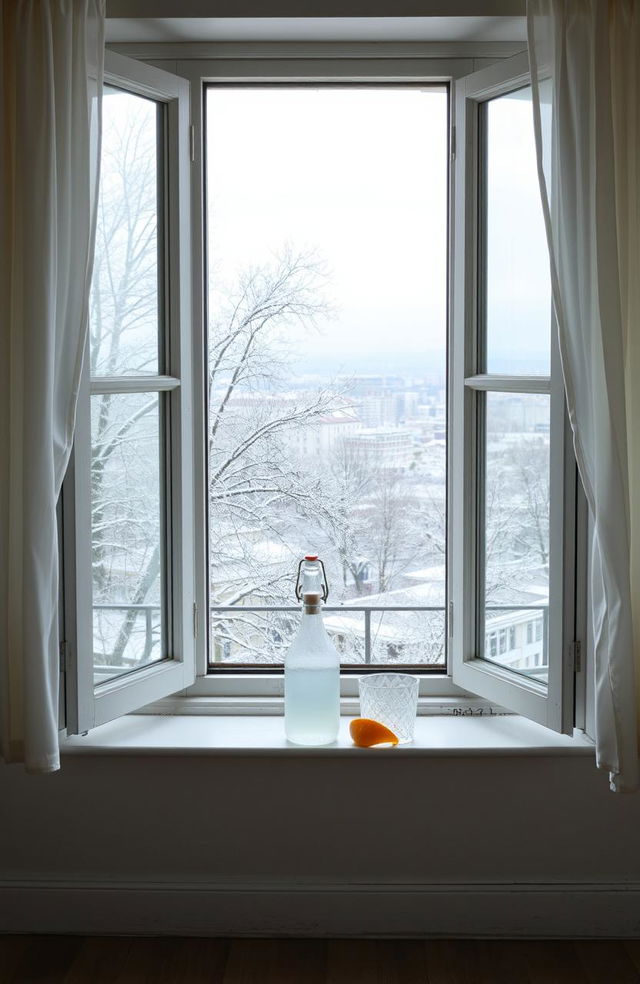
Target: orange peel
{"x": 366, "y": 732}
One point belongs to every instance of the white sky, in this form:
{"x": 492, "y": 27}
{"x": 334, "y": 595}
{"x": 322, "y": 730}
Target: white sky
{"x": 355, "y": 174}
{"x": 360, "y": 176}
{"x": 518, "y": 285}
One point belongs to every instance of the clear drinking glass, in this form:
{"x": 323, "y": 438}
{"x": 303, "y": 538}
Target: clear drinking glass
{"x": 391, "y": 699}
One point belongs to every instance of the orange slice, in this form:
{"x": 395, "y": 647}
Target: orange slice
{"x": 366, "y": 733}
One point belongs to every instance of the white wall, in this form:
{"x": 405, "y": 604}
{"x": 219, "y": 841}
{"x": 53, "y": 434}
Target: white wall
{"x": 533, "y": 846}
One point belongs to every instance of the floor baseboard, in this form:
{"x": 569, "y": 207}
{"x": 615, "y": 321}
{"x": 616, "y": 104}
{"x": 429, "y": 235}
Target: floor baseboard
{"x": 533, "y": 911}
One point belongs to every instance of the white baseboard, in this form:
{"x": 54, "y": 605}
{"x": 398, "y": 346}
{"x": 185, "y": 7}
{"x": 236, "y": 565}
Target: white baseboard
{"x": 321, "y": 910}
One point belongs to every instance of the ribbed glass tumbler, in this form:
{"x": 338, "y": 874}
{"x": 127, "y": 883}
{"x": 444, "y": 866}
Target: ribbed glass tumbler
{"x": 392, "y": 699}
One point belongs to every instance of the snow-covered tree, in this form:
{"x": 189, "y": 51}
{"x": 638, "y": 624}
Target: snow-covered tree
{"x": 259, "y": 486}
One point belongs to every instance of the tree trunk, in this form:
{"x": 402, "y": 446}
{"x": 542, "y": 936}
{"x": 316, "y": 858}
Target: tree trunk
{"x": 139, "y": 598}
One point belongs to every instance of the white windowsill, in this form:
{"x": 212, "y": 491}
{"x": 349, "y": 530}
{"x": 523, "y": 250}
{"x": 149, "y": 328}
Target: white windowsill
{"x": 246, "y": 735}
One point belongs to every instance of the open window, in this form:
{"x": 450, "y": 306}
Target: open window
{"x": 128, "y": 498}
{"x": 513, "y": 476}
{"x": 457, "y": 453}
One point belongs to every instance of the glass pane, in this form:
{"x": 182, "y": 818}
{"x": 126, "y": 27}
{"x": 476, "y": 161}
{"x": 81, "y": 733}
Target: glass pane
{"x": 408, "y": 637}
{"x": 395, "y": 637}
{"x": 518, "y": 287}
{"x": 126, "y": 518}
{"x": 327, "y": 342}
{"x": 248, "y": 638}
{"x": 125, "y": 296}
{"x": 516, "y": 503}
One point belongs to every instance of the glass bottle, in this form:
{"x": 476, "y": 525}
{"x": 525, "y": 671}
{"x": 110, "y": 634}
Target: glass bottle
{"x": 312, "y": 680}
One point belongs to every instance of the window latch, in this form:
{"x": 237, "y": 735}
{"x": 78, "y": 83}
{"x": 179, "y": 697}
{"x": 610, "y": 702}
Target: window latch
{"x": 576, "y": 655}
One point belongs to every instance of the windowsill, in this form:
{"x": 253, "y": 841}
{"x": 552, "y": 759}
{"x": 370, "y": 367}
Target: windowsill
{"x": 446, "y": 735}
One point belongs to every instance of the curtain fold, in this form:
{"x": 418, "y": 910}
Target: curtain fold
{"x": 584, "y": 57}
{"x": 52, "y": 64}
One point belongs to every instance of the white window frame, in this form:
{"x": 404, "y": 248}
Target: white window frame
{"x": 88, "y": 706}
{"x": 467, "y": 682}
{"x": 551, "y": 705}
{"x": 264, "y": 63}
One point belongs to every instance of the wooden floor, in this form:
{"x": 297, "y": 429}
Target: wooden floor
{"x": 93, "y": 960}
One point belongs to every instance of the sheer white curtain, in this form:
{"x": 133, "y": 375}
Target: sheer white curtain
{"x": 589, "y": 51}
{"x": 52, "y": 57}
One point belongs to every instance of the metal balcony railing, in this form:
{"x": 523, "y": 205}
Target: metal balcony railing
{"x": 342, "y": 609}
{"x": 368, "y": 609}
{"x": 149, "y": 610}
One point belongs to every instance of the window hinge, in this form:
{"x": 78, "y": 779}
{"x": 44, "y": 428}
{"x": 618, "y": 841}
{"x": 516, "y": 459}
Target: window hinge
{"x": 195, "y": 620}
{"x": 192, "y": 143}
{"x": 453, "y": 143}
{"x": 575, "y": 649}
{"x": 450, "y": 619}
{"x": 63, "y": 657}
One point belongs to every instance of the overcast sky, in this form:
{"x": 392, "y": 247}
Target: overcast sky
{"x": 360, "y": 176}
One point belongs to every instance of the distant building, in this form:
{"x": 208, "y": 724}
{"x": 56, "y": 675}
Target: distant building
{"x": 373, "y": 385}
{"x": 316, "y": 435}
{"x": 390, "y": 447}
{"x": 319, "y": 436}
{"x": 377, "y": 411}
{"x": 516, "y": 625}
{"x": 406, "y": 407}
{"x": 516, "y": 638}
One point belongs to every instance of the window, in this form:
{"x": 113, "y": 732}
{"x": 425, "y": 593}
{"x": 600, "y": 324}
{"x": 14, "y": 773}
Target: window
{"x": 129, "y": 505}
{"x": 327, "y": 418}
{"x": 512, "y": 495}
{"x": 349, "y": 395}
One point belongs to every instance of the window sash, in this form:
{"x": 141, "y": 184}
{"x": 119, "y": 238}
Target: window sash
{"x": 551, "y": 705}
{"x": 89, "y": 705}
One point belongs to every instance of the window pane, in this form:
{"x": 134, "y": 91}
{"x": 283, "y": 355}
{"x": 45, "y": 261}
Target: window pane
{"x": 125, "y": 296}
{"x": 327, "y": 222}
{"x": 126, "y": 533}
{"x": 518, "y": 288}
{"x": 516, "y": 511}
